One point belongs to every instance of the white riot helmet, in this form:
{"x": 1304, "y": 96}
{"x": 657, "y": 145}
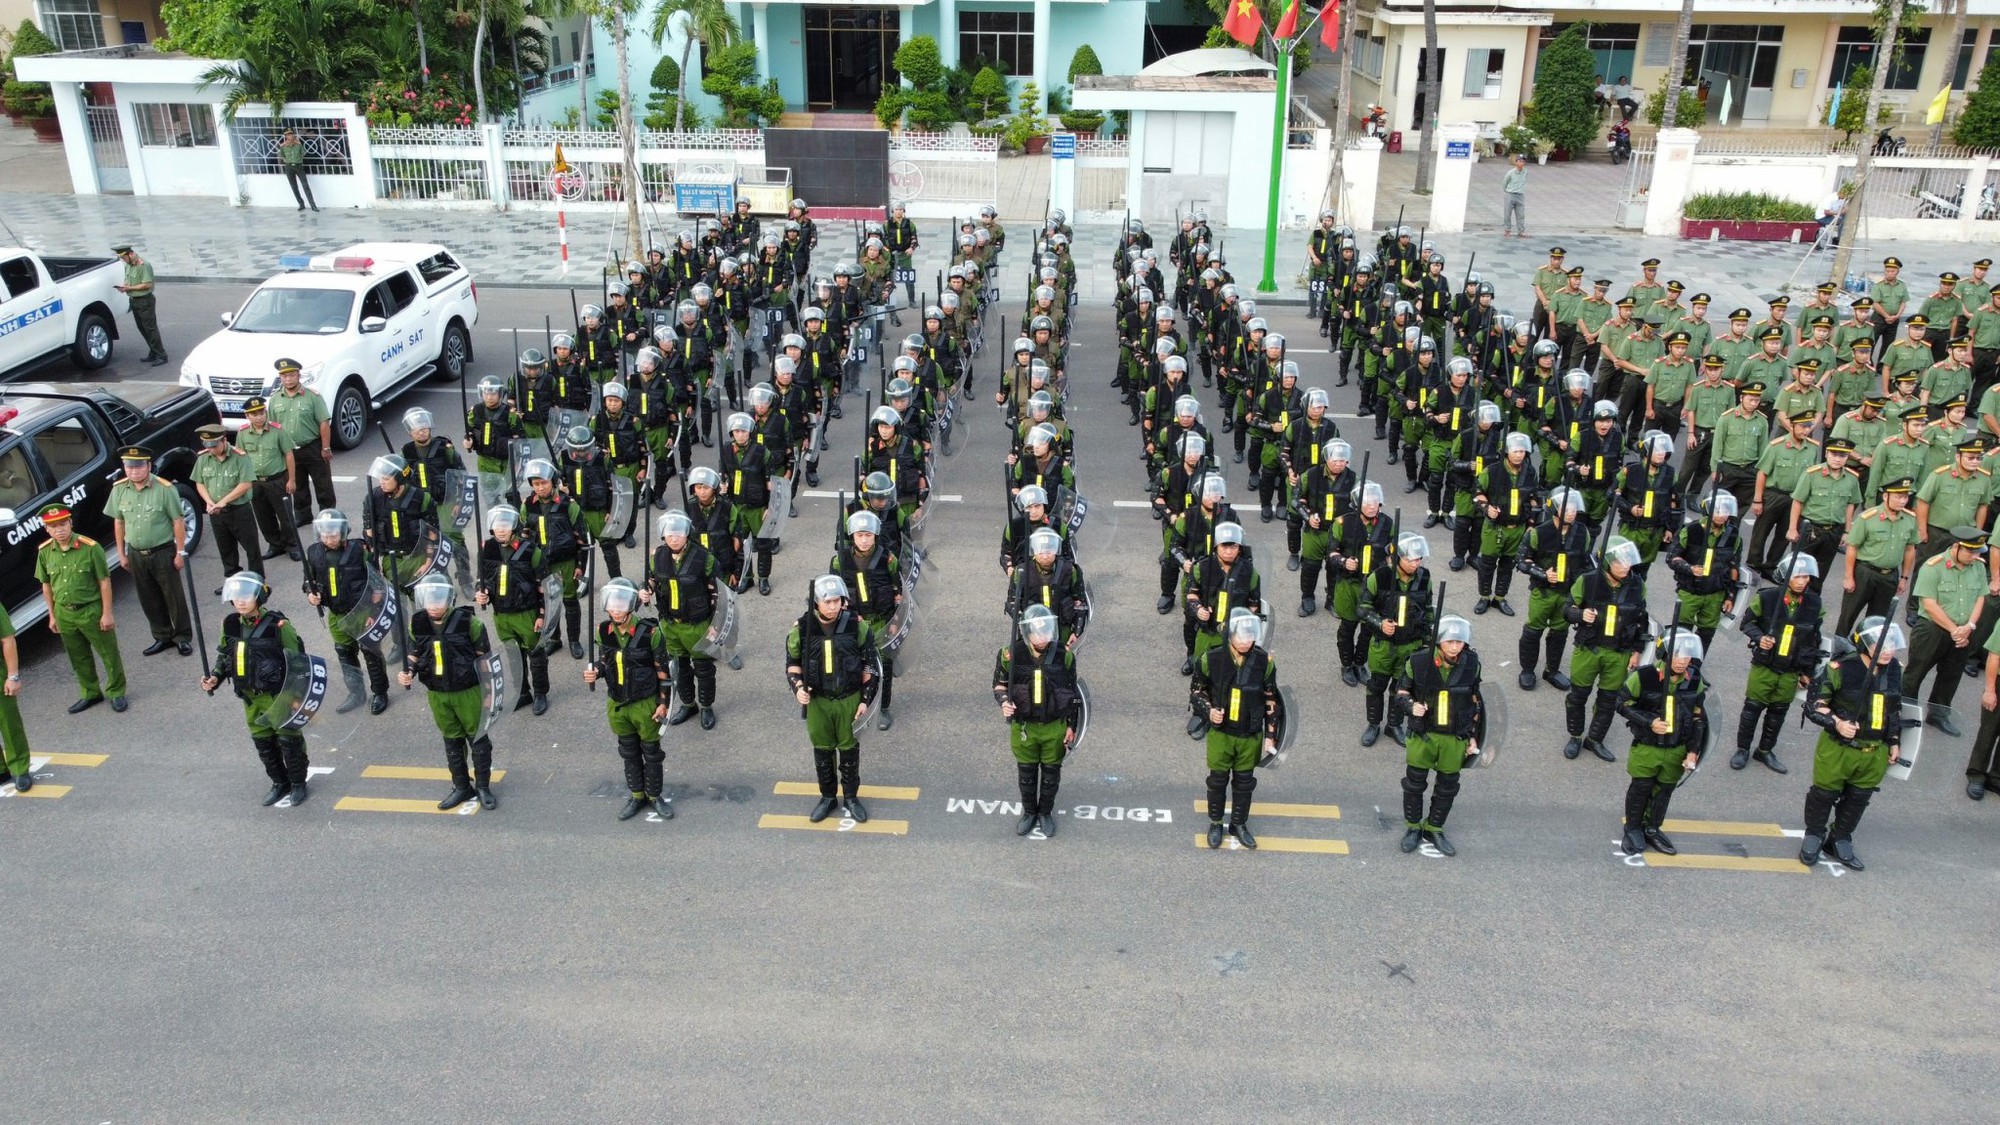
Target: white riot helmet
{"x": 1519, "y": 443}
{"x": 1228, "y": 532}
{"x": 433, "y": 591}
{"x": 1038, "y": 625}
{"x": 1452, "y": 627}
{"x": 1030, "y": 496}
{"x": 502, "y": 519}
{"x": 1338, "y": 450}
{"x": 1412, "y": 546}
{"x": 675, "y": 522}
{"x": 1621, "y": 550}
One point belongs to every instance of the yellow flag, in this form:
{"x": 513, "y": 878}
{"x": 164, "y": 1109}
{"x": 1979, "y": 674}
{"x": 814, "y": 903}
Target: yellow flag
{"x": 1935, "y": 115}
{"x": 562, "y": 165}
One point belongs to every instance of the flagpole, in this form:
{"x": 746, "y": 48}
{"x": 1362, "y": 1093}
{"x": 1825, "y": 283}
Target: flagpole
{"x": 1279, "y": 124}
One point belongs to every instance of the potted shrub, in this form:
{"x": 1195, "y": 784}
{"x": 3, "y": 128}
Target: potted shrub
{"x": 31, "y": 102}
{"x": 1084, "y": 121}
{"x": 1747, "y": 216}
{"x": 1029, "y": 130}
{"x": 1542, "y": 148}
{"x": 1516, "y": 138}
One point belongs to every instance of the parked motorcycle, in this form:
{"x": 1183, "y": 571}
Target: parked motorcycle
{"x": 1621, "y": 143}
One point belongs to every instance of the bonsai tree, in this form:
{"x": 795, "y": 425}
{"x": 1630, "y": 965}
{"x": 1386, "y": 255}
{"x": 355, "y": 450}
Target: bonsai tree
{"x": 1084, "y": 61}
{"x": 1689, "y": 107}
{"x": 28, "y": 99}
{"x": 732, "y": 80}
{"x": 1565, "y": 110}
{"x": 920, "y": 64}
{"x": 1028, "y": 122}
{"x": 663, "y": 104}
{"x": 1978, "y": 124}
{"x": 989, "y": 92}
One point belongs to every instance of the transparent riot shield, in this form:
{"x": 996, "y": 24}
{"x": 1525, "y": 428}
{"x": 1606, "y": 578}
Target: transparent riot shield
{"x": 560, "y": 420}
{"x": 520, "y": 451}
{"x": 778, "y": 510}
{"x": 1082, "y": 713}
{"x": 867, "y": 714}
{"x": 552, "y": 607}
{"x": 1070, "y": 509}
{"x": 495, "y": 489}
{"x": 304, "y": 705}
{"x": 899, "y": 637}
{"x": 946, "y": 425}
{"x": 500, "y": 677}
{"x": 618, "y": 521}
{"x": 461, "y": 499}
{"x": 376, "y": 619}
{"x": 1089, "y": 612}
{"x": 1912, "y": 743}
{"x": 1288, "y": 729}
{"x": 429, "y": 553}
{"x": 1491, "y": 729}
{"x": 719, "y": 642}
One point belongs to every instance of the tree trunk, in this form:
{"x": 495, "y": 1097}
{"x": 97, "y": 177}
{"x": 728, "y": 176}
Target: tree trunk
{"x": 514, "y": 48}
{"x": 1335, "y": 194}
{"x": 423, "y": 52}
{"x": 583, "y": 78}
{"x": 1677, "y": 66}
{"x": 478, "y": 65}
{"x": 1971, "y": 72}
{"x": 629, "y": 137}
{"x": 1851, "y": 222}
{"x": 681, "y": 92}
{"x": 1433, "y": 85}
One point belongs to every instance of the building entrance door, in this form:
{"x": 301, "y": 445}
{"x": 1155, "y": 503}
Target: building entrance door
{"x": 850, "y": 53}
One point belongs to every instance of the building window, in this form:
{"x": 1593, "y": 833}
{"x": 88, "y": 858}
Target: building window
{"x": 1483, "y": 67}
{"x": 164, "y": 125}
{"x": 1003, "y": 40}
{"x": 1368, "y": 60}
{"x": 1615, "y": 46}
{"x": 75, "y": 25}
{"x": 1855, "y": 49}
{"x": 1966, "y": 67}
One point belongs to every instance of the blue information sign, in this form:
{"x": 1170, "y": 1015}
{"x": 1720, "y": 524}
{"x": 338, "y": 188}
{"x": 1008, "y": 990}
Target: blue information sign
{"x": 1458, "y": 150}
{"x": 1062, "y": 146}
{"x": 700, "y": 198}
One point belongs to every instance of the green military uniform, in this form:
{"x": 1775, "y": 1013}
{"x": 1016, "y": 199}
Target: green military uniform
{"x": 1878, "y": 545}
{"x": 1761, "y": 367}
{"x": 1846, "y": 772}
{"x": 444, "y": 655}
{"x": 267, "y": 446}
{"x": 251, "y": 654}
{"x": 72, "y": 576}
{"x": 1734, "y": 350}
{"x": 1740, "y": 437}
{"x": 1825, "y": 497}
{"x": 1941, "y": 309}
{"x": 1895, "y": 458}
{"x": 1906, "y": 356}
{"x": 631, "y": 660}
{"x": 1700, "y": 332}
{"x": 149, "y": 515}
{"x": 1848, "y": 332}
{"x": 1042, "y": 686}
{"x": 1795, "y": 398}
{"x": 139, "y": 286}
{"x": 1244, "y": 687}
{"x": 234, "y": 528}
{"x": 1654, "y": 693}
{"x": 14, "y": 750}
{"x": 1851, "y": 383}
{"x": 834, "y": 661}
{"x": 1866, "y": 434}
{"x": 1960, "y": 592}
{"x": 1448, "y": 691}
{"x": 1953, "y": 500}
{"x": 1945, "y": 381}
{"x": 1604, "y": 651}
{"x": 1782, "y": 465}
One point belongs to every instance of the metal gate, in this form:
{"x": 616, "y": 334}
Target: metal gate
{"x": 1638, "y": 181}
{"x": 107, "y": 149}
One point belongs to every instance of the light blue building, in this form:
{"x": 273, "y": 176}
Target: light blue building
{"x": 830, "y": 57}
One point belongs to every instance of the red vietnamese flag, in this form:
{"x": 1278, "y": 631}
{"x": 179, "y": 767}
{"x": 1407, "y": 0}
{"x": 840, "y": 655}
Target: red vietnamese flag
{"x": 1243, "y": 22}
{"x": 1288, "y": 24}
{"x": 1329, "y": 25}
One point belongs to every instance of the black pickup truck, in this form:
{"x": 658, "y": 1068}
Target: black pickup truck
{"x": 59, "y": 443}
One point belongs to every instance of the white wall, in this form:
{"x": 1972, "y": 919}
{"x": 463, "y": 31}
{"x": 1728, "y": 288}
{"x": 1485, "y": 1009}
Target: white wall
{"x": 1249, "y": 155}
{"x": 173, "y": 171}
{"x": 1804, "y": 179}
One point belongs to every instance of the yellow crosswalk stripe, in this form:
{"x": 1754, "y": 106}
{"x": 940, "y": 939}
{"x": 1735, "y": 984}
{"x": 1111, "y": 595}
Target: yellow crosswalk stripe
{"x": 399, "y": 804}
{"x": 1281, "y": 844}
{"x": 1278, "y": 808}
{"x": 1721, "y": 827}
{"x": 872, "y": 792}
{"x": 1786, "y": 866}
{"x": 416, "y": 773}
{"x": 88, "y": 761}
{"x": 44, "y": 789}
{"x": 832, "y": 824}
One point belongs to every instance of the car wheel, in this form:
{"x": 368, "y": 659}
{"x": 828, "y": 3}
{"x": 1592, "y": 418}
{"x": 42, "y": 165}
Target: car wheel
{"x": 350, "y": 416}
{"x": 453, "y": 354}
{"x": 92, "y": 349}
{"x": 194, "y": 513}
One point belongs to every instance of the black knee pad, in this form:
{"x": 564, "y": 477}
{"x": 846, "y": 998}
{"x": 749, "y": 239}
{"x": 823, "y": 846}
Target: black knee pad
{"x": 1416, "y": 780}
{"x": 1447, "y": 785}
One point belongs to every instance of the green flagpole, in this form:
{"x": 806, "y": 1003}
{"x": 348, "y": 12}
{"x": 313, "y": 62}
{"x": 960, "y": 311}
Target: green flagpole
{"x": 1279, "y": 123}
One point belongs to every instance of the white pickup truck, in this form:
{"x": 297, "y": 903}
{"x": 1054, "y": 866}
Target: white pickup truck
{"x": 365, "y": 323}
{"x": 49, "y": 306}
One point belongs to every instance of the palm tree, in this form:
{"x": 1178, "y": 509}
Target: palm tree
{"x": 251, "y": 79}
{"x": 1677, "y": 65}
{"x": 705, "y": 21}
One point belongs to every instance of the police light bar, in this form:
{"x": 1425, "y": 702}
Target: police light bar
{"x": 295, "y": 261}
{"x": 326, "y": 263}
{"x": 8, "y": 414}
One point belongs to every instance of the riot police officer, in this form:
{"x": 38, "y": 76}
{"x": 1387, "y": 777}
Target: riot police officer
{"x": 1440, "y": 691}
{"x": 830, "y": 662}
{"x": 251, "y": 654}
{"x": 337, "y": 579}
{"x": 1235, "y": 694}
{"x": 1663, "y": 704}
{"x": 631, "y": 661}
{"x": 1783, "y": 623}
{"x": 510, "y": 584}
{"x": 681, "y": 582}
{"x": 1035, "y": 683}
{"x": 1855, "y": 702}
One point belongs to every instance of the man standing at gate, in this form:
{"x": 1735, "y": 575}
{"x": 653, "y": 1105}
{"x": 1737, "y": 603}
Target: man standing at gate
{"x": 292, "y": 154}
{"x": 138, "y": 288}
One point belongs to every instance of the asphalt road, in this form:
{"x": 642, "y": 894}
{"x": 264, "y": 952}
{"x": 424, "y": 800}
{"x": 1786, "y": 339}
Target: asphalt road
{"x": 179, "y": 953}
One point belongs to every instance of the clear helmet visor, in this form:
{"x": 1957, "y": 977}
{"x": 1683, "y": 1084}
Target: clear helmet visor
{"x": 1414, "y": 547}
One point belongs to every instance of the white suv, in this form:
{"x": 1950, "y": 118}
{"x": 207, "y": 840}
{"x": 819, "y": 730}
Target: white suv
{"x": 366, "y": 323}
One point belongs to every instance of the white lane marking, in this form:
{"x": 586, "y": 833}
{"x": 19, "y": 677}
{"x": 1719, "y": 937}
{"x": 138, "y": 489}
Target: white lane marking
{"x": 822, "y": 494}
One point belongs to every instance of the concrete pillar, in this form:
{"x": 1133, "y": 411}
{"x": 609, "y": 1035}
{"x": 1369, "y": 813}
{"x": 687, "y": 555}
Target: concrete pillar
{"x": 1135, "y": 161}
{"x": 947, "y": 36}
{"x": 77, "y": 149}
{"x": 1979, "y": 45}
{"x": 1044, "y": 31}
{"x": 1822, "y": 73}
{"x": 1673, "y": 168}
{"x": 760, "y": 32}
{"x": 1062, "y": 178}
{"x": 1452, "y": 182}
{"x": 496, "y": 165}
{"x": 1529, "y": 57}
{"x": 1361, "y": 172}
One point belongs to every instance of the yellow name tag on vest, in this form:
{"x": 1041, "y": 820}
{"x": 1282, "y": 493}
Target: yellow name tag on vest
{"x": 503, "y": 580}
{"x": 1562, "y": 567}
{"x": 1513, "y": 501}
{"x": 437, "y": 657}
{"x": 673, "y": 593}
{"x": 1478, "y": 465}
{"x": 826, "y": 655}
{"x": 332, "y": 582}
{"x": 1038, "y": 687}
{"x": 1402, "y": 610}
{"x": 1877, "y": 711}
{"x": 1598, "y": 473}
{"x": 1235, "y": 703}
{"x": 1329, "y": 507}
{"x": 1610, "y": 620}
{"x": 395, "y": 525}
{"x": 737, "y": 488}
{"x": 1443, "y": 717}
{"x": 1221, "y": 607}
{"x": 1368, "y": 558}
{"x": 1649, "y": 505}
{"x": 618, "y": 658}
{"x": 1454, "y": 417}
{"x": 542, "y": 529}
{"x": 486, "y": 433}
{"x": 1670, "y": 712}
{"x": 1708, "y": 561}
{"x": 1785, "y": 642}
{"x": 241, "y": 651}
